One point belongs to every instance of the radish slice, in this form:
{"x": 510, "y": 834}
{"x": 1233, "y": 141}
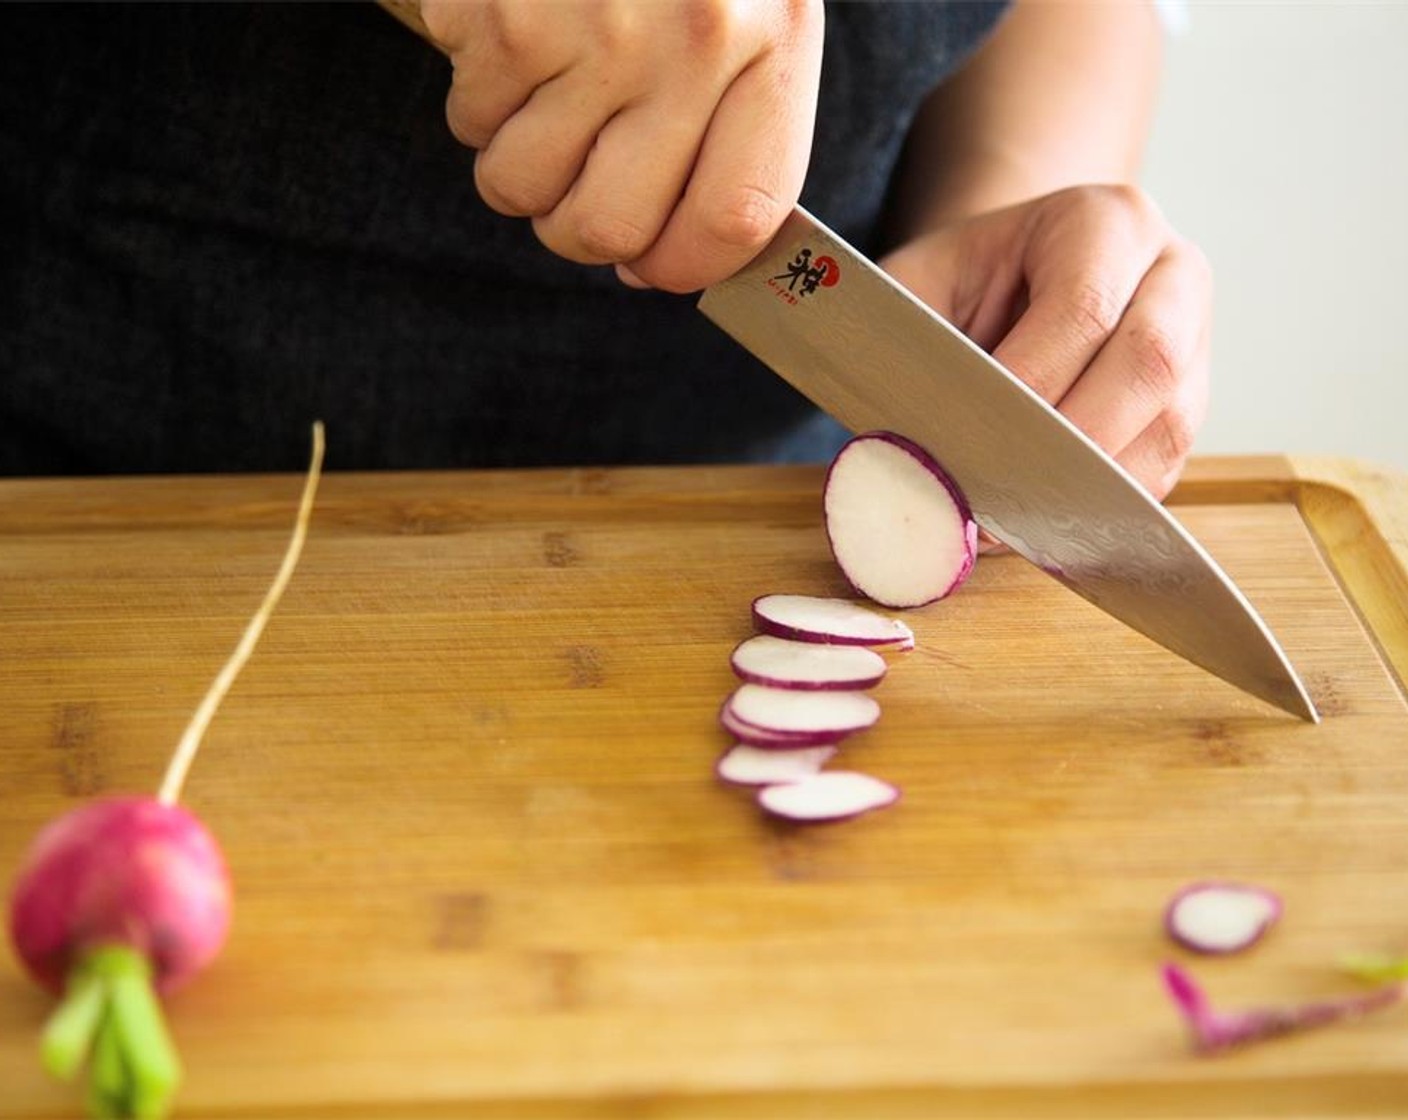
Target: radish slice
{"x": 781, "y": 663}
{"x": 774, "y": 740}
{"x": 829, "y": 796}
{"x": 900, "y": 529}
{"x": 1220, "y": 917}
{"x": 746, "y": 765}
{"x": 809, "y": 712}
{"x": 806, "y": 618}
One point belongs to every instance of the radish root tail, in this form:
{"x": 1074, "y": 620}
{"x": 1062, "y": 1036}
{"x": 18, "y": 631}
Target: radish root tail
{"x": 186, "y": 749}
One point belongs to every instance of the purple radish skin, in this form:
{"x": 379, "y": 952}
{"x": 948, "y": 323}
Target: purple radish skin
{"x": 1215, "y": 1032}
{"x": 809, "y": 618}
{"x": 833, "y": 795}
{"x": 1217, "y": 918}
{"x": 745, "y": 765}
{"x": 121, "y": 870}
{"x": 899, "y": 527}
{"x": 789, "y": 711}
{"x": 782, "y": 663}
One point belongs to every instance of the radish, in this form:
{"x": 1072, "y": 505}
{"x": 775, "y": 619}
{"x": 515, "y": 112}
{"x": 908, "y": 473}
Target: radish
{"x": 127, "y": 897}
{"x": 900, "y": 528}
{"x": 1220, "y": 917}
{"x": 789, "y": 711}
{"x": 776, "y": 740}
{"x": 806, "y": 618}
{"x": 1217, "y": 1031}
{"x": 781, "y": 663}
{"x": 746, "y": 765}
{"x": 832, "y": 795}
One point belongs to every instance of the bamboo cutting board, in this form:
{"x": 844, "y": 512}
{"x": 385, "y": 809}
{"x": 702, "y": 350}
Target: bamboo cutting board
{"x": 483, "y": 869}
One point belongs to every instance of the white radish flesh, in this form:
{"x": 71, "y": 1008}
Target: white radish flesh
{"x": 808, "y": 618}
{"x": 790, "y": 711}
{"x": 781, "y": 663}
{"x": 899, "y": 527}
{"x": 774, "y": 740}
{"x": 832, "y": 795}
{"x": 746, "y": 765}
{"x": 1221, "y": 917}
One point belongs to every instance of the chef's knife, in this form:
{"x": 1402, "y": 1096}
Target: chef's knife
{"x": 864, "y": 349}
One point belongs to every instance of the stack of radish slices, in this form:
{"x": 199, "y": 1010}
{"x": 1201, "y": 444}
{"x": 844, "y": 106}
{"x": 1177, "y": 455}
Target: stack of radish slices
{"x": 803, "y": 691}
{"x": 903, "y": 536}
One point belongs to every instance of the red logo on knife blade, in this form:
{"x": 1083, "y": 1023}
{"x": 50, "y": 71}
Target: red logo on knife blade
{"x": 804, "y": 275}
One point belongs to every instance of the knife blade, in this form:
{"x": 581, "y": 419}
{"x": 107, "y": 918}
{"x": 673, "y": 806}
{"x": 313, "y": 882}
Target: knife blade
{"x": 864, "y": 349}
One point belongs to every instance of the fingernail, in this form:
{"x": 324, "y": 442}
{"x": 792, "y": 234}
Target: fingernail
{"x": 629, "y": 278}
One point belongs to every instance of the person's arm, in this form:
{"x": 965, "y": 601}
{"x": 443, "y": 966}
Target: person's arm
{"x": 1061, "y": 94}
{"x": 1018, "y": 218}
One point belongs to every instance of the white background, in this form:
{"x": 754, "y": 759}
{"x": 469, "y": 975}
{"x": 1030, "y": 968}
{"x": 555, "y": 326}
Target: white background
{"x": 1281, "y": 147}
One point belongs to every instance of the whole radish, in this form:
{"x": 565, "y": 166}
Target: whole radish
{"x": 122, "y": 870}
{"x": 126, "y": 898}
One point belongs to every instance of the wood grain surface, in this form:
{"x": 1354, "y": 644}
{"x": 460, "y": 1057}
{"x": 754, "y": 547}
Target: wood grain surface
{"x": 483, "y": 868}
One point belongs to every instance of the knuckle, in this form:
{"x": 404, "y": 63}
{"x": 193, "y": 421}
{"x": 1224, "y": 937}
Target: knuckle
{"x": 1129, "y": 198}
{"x": 1093, "y": 309}
{"x": 669, "y": 272}
{"x": 1074, "y": 200}
{"x": 709, "y": 26}
{"x": 511, "y": 191}
{"x": 1157, "y": 361}
{"x": 509, "y": 32}
{"x": 802, "y": 13}
{"x": 471, "y": 121}
{"x": 609, "y": 238}
{"x": 461, "y": 129}
{"x": 616, "y": 30}
{"x": 1126, "y": 195}
{"x": 1108, "y": 199}
{"x": 744, "y": 219}
{"x": 1177, "y": 433}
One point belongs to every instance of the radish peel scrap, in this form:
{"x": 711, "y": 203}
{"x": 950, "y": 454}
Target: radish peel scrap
{"x": 1216, "y": 1032}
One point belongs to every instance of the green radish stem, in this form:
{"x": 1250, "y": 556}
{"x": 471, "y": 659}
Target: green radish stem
{"x": 106, "y": 1077}
{"x": 1375, "y": 968}
{"x": 111, "y": 1016}
{"x": 195, "y": 731}
{"x": 72, "y": 1027}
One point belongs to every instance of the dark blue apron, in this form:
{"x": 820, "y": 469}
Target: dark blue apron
{"x": 218, "y": 222}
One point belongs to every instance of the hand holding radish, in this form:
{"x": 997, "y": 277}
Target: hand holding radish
{"x": 127, "y": 897}
{"x": 1091, "y": 298}
{"x": 673, "y": 136}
